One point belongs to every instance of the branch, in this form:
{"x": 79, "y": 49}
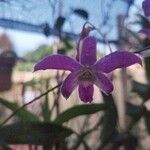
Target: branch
{"x": 143, "y": 49}
{"x": 23, "y": 106}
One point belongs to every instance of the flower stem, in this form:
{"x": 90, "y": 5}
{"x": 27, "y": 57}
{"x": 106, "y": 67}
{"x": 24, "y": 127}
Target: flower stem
{"x": 143, "y": 49}
{"x": 105, "y": 39}
{"x": 99, "y": 31}
{"x": 23, "y": 106}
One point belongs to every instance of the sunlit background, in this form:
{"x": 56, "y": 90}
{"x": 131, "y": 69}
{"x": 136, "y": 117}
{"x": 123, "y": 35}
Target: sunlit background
{"x": 102, "y": 14}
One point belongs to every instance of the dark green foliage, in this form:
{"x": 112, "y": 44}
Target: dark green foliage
{"x": 67, "y": 46}
{"x": 33, "y": 133}
{"x": 143, "y": 90}
{"x": 24, "y": 66}
{"x": 23, "y": 114}
{"x": 147, "y": 67}
{"x": 144, "y": 22}
{"x": 147, "y": 120}
{"x": 135, "y": 112}
{"x": 41, "y": 52}
{"x": 78, "y": 111}
{"x": 34, "y": 82}
{"x": 67, "y": 43}
{"x": 109, "y": 121}
{"x": 128, "y": 140}
{"x": 33, "y": 56}
{"x": 45, "y": 106}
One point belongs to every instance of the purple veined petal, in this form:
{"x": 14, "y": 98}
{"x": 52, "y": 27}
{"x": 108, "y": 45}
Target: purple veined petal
{"x": 86, "y": 92}
{"x": 77, "y": 47}
{"x": 69, "y": 84}
{"x": 61, "y": 62}
{"x": 104, "y": 83}
{"x": 87, "y": 55}
{"x": 146, "y": 7}
{"x": 84, "y": 33}
{"x": 146, "y": 32}
{"x": 118, "y": 59}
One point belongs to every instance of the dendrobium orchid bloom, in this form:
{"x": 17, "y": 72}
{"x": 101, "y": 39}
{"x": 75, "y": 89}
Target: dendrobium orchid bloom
{"x": 146, "y": 31}
{"x": 87, "y": 71}
{"x": 146, "y": 9}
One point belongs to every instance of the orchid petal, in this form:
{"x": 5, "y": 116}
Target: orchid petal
{"x": 146, "y": 7}
{"x": 104, "y": 83}
{"x": 57, "y": 62}
{"x": 118, "y": 59}
{"x": 85, "y": 32}
{"x": 69, "y": 84}
{"x": 88, "y": 51}
{"x": 146, "y": 32}
{"x": 86, "y": 92}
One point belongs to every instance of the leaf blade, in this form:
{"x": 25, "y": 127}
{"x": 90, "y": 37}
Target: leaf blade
{"x": 23, "y": 114}
{"x": 78, "y": 110}
{"x": 33, "y": 133}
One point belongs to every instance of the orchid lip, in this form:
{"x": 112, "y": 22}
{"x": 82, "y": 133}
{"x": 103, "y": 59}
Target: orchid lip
{"x": 87, "y": 74}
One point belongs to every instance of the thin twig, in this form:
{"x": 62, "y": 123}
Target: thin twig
{"x": 85, "y": 133}
{"x": 105, "y": 39}
{"x": 143, "y": 49}
{"x": 23, "y": 106}
{"x": 99, "y": 31}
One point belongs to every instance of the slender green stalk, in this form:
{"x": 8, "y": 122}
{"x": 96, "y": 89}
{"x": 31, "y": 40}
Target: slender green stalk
{"x": 23, "y": 106}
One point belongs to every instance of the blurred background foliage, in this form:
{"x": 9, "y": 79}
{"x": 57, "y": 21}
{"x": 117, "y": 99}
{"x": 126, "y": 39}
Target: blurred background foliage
{"x": 35, "y": 116}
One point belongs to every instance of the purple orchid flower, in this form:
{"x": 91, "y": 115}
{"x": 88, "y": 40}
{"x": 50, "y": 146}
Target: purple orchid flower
{"x": 87, "y": 71}
{"x": 146, "y": 31}
{"x": 146, "y": 7}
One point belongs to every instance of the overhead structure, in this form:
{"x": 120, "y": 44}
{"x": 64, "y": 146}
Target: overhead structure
{"x": 41, "y": 16}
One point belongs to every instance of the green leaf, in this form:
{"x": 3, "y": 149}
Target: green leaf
{"x": 135, "y": 112}
{"x": 23, "y": 114}
{"x": 79, "y": 110}
{"x": 147, "y": 120}
{"x": 143, "y": 90}
{"x": 125, "y": 139}
{"x": 147, "y": 65}
{"x": 45, "y": 106}
{"x": 41, "y": 52}
{"x": 109, "y": 121}
{"x": 33, "y": 133}
{"x": 45, "y": 110}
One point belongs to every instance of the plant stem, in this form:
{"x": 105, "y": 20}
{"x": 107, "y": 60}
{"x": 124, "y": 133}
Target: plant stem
{"x": 23, "y": 106}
